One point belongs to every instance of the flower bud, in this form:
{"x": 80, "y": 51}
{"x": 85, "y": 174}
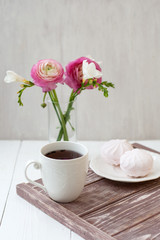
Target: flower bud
{"x": 43, "y": 105}
{"x": 26, "y": 82}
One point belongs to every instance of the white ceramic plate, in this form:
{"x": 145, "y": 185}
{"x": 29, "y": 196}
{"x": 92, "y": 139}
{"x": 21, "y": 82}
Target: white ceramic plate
{"x": 103, "y": 169}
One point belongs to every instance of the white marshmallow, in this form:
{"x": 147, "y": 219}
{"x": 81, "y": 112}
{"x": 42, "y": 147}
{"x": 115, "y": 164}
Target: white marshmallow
{"x": 136, "y": 163}
{"x": 112, "y": 150}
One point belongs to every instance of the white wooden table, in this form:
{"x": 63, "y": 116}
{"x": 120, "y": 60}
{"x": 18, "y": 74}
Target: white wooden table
{"x": 20, "y": 220}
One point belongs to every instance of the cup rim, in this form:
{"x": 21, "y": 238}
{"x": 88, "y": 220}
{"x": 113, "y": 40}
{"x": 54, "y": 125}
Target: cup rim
{"x": 63, "y": 160}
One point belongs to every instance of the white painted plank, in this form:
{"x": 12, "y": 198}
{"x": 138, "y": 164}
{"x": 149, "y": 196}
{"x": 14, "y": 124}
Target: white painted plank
{"x": 21, "y": 220}
{"x": 8, "y": 156}
{"x": 75, "y": 236}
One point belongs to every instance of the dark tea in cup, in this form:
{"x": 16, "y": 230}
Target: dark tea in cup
{"x": 63, "y": 154}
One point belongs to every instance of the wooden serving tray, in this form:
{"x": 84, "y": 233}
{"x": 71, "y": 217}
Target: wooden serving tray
{"x": 106, "y": 210}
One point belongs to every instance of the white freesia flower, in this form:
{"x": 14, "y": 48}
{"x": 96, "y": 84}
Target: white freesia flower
{"x": 13, "y": 77}
{"x": 90, "y": 71}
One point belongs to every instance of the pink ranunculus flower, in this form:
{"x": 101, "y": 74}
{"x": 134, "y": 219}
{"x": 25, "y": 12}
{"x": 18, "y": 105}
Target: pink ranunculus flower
{"x": 74, "y": 73}
{"x": 47, "y": 73}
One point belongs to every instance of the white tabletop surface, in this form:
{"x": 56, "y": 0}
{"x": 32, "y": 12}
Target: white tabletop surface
{"x": 19, "y": 220}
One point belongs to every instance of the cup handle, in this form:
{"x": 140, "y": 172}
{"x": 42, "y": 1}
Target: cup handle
{"x": 36, "y": 165}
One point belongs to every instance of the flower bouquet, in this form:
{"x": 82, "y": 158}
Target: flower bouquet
{"x": 80, "y": 74}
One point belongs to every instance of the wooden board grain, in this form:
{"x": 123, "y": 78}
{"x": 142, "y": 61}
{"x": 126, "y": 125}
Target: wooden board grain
{"x": 140, "y": 146}
{"x": 106, "y": 209}
{"x": 146, "y": 230}
{"x": 126, "y": 213}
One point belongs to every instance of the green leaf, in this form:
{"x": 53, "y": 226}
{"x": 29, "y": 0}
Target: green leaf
{"x": 73, "y": 129}
{"x": 108, "y": 84}
{"x": 105, "y": 92}
{"x": 100, "y": 87}
{"x": 19, "y": 101}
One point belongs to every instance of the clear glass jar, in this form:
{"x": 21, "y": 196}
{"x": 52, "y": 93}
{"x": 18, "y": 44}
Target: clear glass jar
{"x": 61, "y": 120}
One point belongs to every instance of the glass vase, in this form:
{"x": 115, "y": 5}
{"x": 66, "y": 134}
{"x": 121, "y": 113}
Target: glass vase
{"x": 61, "y": 120}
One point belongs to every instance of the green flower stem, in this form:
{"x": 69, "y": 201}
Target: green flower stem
{"x": 53, "y": 103}
{"x": 69, "y": 108}
{"x": 20, "y": 92}
{"x": 101, "y": 86}
{"x": 66, "y": 118}
{"x": 44, "y": 97}
{"x": 63, "y": 123}
{"x": 67, "y": 114}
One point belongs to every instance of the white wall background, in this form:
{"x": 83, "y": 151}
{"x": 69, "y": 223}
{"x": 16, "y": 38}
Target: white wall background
{"x": 123, "y": 34}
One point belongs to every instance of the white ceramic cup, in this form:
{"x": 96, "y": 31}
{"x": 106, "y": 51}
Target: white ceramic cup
{"x": 63, "y": 179}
